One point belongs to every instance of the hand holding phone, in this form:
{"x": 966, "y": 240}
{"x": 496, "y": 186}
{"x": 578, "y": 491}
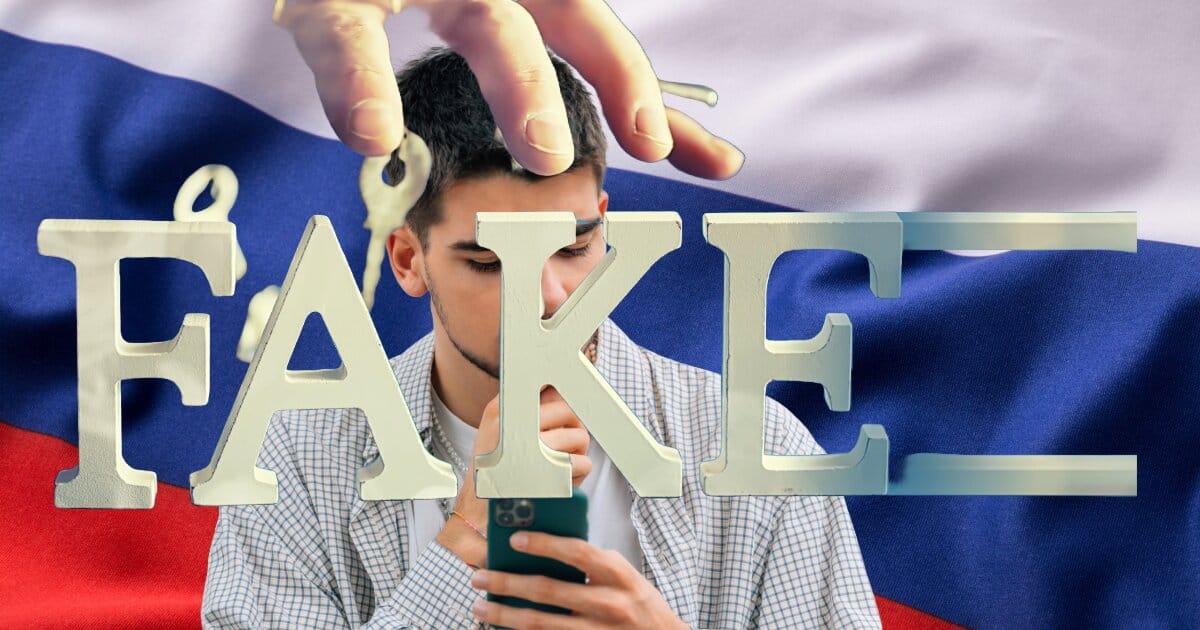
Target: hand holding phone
{"x": 561, "y": 517}
{"x": 561, "y": 430}
{"x": 598, "y": 586}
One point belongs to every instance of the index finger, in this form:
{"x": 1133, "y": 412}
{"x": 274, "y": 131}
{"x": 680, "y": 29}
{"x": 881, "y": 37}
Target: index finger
{"x": 346, "y": 48}
{"x": 597, "y": 563}
{"x": 501, "y": 44}
{"x": 549, "y": 393}
{"x": 590, "y": 36}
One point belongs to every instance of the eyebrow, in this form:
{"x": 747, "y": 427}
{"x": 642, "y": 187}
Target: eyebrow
{"x": 582, "y": 226}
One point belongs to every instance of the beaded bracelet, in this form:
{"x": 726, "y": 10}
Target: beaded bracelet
{"x": 469, "y": 524}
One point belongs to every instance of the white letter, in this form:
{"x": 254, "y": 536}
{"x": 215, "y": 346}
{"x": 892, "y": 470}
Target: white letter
{"x": 534, "y": 352}
{"x": 752, "y": 242}
{"x": 320, "y": 281}
{"x": 103, "y": 479}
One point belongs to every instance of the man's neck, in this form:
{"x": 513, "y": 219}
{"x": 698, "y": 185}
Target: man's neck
{"x": 463, "y": 388}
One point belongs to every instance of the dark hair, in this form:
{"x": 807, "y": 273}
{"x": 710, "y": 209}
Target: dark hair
{"x": 443, "y": 105}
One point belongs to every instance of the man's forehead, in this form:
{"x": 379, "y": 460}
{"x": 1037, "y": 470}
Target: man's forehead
{"x": 582, "y": 228}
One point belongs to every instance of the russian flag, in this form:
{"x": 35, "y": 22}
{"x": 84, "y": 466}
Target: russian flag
{"x": 106, "y": 108}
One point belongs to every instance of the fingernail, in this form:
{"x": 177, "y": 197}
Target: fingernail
{"x": 372, "y": 119}
{"x": 479, "y": 609}
{"x": 480, "y": 579}
{"x": 519, "y": 540}
{"x": 547, "y": 134}
{"x": 740, "y": 160}
{"x": 652, "y": 125}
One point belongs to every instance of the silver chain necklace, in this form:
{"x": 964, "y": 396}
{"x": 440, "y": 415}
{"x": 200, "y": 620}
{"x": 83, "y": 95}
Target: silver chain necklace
{"x": 456, "y": 462}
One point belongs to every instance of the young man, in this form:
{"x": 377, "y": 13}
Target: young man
{"x": 322, "y": 557}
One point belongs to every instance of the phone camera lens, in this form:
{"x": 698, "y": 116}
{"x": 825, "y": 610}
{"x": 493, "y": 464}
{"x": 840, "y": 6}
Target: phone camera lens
{"x": 524, "y": 511}
{"x": 505, "y": 519}
{"x": 506, "y": 504}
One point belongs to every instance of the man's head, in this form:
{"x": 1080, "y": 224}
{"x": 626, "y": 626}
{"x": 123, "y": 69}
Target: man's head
{"x": 472, "y": 172}
{"x": 443, "y": 105}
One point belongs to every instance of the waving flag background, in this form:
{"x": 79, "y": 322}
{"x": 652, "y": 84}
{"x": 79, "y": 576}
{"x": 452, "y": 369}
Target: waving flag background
{"x": 106, "y": 107}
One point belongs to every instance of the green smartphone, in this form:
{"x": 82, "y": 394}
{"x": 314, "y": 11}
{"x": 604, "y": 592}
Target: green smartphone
{"x": 561, "y": 517}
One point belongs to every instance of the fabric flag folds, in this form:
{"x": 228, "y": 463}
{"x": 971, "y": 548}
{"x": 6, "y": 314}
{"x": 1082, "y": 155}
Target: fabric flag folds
{"x": 1010, "y": 353}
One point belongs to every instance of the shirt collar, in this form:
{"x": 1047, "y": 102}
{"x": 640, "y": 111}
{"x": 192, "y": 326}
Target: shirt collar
{"x": 412, "y": 369}
{"x": 664, "y": 525}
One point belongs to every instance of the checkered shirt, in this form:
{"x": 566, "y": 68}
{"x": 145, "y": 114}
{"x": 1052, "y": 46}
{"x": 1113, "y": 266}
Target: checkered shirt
{"x": 324, "y": 558}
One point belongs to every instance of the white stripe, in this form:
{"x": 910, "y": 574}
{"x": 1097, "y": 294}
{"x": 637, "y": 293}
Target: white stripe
{"x": 984, "y": 106}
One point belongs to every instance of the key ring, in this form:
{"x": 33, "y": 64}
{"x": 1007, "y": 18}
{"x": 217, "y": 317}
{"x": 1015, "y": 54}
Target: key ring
{"x": 388, "y": 205}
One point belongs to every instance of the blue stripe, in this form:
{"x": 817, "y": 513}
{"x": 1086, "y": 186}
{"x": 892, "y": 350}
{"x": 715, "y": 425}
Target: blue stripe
{"x": 1040, "y": 352}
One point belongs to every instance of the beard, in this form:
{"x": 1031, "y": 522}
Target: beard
{"x": 475, "y": 360}
{"x": 491, "y": 369}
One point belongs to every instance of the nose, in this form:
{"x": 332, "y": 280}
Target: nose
{"x": 555, "y": 290}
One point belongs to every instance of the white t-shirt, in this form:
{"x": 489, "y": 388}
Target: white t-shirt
{"x": 610, "y": 523}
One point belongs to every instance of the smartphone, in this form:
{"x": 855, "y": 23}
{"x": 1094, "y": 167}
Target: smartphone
{"x": 561, "y": 517}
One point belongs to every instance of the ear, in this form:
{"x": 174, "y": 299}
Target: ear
{"x": 408, "y": 261}
{"x": 603, "y": 203}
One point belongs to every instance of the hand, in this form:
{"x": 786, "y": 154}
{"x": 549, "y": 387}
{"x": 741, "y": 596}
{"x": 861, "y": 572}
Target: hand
{"x": 560, "y": 429}
{"x": 615, "y": 596}
{"x": 344, "y": 44}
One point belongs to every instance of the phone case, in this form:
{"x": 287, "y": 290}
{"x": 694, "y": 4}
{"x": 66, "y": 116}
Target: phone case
{"x": 561, "y": 517}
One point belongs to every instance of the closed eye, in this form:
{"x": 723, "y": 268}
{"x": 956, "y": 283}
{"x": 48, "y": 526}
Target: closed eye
{"x": 484, "y": 267}
{"x": 494, "y": 265}
{"x": 571, "y": 252}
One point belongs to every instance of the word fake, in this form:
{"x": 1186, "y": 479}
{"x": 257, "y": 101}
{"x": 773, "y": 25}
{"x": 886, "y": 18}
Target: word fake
{"x": 319, "y": 280}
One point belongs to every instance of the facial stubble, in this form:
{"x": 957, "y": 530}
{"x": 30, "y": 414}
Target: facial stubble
{"x": 483, "y": 366}
{"x": 490, "y": 370}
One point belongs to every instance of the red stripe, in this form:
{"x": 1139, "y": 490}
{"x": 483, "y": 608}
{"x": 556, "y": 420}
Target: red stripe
{"x": 897, "y": 616}
{"x": 130, "y": 568}
{"x": 99, "y": 568}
